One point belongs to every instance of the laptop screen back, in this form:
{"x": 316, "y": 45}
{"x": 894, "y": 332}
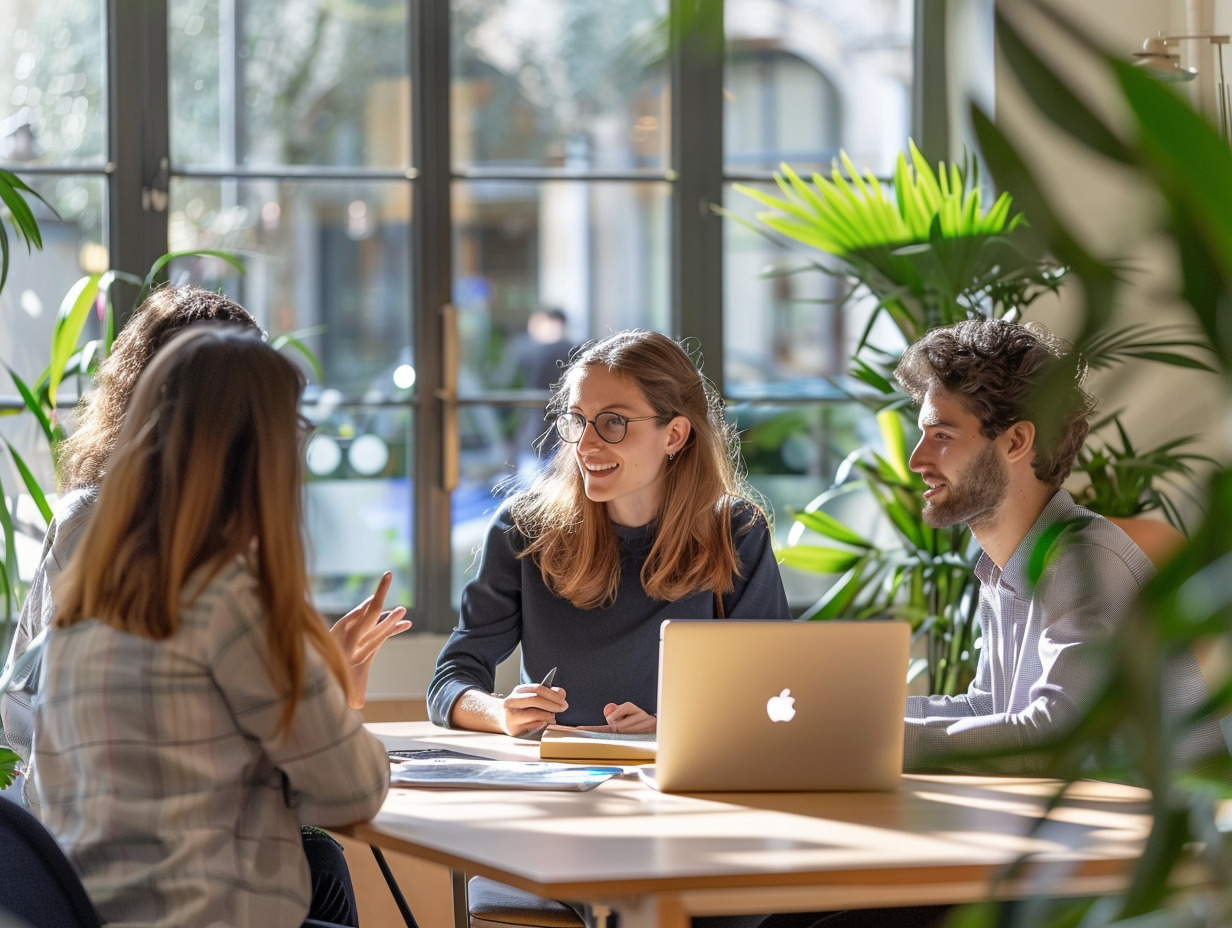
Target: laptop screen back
{"x": 781, "y": 705}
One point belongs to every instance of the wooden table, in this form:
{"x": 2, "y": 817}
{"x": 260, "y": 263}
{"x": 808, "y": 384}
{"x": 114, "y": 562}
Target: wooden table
{"x": 658, "y": 858}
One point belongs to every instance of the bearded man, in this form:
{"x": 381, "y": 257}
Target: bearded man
{"x": 1003, "y": 414}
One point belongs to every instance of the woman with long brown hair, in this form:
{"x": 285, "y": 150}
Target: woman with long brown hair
{"x": 85, "y": 457}
{"x": 640, "y": 515}
{"x": 194, "y": 707}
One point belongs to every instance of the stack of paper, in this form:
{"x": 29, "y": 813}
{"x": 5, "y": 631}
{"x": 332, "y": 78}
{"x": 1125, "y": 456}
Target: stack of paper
{"x": 452, "y": 770}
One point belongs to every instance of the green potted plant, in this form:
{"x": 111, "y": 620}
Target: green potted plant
{"x": 1179, "y": 156}
{"x": 928, "y": 253}
{"x": 13, "y": 194}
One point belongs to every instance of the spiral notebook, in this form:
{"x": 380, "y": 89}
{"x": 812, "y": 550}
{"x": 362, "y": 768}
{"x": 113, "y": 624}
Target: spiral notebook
{"x": 780, "y": 705}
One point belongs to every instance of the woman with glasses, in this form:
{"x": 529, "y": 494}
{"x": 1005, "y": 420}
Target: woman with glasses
{"x": 640, "y": 515}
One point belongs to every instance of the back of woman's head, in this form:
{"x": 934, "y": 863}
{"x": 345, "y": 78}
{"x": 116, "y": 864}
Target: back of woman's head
{"x": 163, "y": 314}
{"x": 213, "y": 429}
{"x": 206, "y": 470}
{"x": 571, "y": 536}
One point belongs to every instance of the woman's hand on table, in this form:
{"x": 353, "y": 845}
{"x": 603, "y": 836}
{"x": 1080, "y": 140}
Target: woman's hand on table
{"x": 625, "y": 718}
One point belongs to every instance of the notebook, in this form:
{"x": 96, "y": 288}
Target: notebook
{"x": 780, "y": 705}
{"x": 572, "y": 744}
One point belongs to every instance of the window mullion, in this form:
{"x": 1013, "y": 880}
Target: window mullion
{"x": 930, "y": 125}
{"x": 431, "y": 289}
{"x": 697, "y": 157}
{"x": 139, "y": 145}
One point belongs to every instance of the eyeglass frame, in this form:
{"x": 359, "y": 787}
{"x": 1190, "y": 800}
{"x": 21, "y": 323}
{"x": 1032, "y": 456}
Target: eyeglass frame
{"x": 574, "y": 416}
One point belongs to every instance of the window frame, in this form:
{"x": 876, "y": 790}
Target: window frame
{"x": 138, "y": 168}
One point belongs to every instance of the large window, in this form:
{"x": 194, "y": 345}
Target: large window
{"x": 441, "y": 199}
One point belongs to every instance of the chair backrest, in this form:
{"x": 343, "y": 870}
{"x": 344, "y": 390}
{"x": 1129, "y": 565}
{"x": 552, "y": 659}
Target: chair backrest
{"x": 1158, "y": 540}
{"x": 37, "y": 883}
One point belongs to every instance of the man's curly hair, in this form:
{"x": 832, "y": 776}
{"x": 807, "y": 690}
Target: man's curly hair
{"x": 1006, "y": 372}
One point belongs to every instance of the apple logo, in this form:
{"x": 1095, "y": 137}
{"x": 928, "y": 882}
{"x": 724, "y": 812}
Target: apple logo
{"x": 781, "y": 708}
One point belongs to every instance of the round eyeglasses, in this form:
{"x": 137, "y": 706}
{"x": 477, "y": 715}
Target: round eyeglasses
{"x": 610, "y": 426}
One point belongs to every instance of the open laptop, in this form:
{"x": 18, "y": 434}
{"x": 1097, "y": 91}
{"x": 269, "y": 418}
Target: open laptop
{"x": 780, "y": 705}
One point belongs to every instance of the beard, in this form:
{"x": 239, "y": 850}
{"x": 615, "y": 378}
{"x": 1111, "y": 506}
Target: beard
{"x": 974, "y": 496}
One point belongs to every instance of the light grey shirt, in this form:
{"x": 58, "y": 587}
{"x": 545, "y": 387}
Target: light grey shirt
{"x": 63, "y": 533}
{"x": 1044, "y": 650}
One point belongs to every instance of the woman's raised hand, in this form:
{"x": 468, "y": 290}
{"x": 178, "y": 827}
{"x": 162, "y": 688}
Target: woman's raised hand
{"x": 361, "y": 632}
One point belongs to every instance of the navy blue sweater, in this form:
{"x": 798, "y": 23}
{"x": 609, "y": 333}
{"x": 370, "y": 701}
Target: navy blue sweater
{"x": 603, "y": 655}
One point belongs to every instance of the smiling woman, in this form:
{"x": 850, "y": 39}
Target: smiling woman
{"x": 622, "y": 469}
{"x": 640, "y": 515}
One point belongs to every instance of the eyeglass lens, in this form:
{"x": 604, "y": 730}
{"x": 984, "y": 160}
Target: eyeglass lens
{"x": 610, "y": 426}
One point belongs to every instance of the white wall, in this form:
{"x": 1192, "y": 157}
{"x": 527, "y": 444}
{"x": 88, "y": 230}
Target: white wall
{"x": 1115, "y": 218}
{"x": 404, "y": 665}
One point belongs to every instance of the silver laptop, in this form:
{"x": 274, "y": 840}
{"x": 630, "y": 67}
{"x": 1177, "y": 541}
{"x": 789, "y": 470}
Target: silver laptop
{"x": 780, "y": 705}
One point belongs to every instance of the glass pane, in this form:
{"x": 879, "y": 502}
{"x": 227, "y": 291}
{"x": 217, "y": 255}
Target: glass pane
{"x": 814, "y": 77}
{"x": 485, "y": 469}
{"x": 792, "y": 335}
{"x": 264, "y": 82}
{"x": 73, "y": 245}
{"x": 596, "y": 253}
{"x": 791, "y": 453}
{"x": 575, "y": 84}
{"x": 358, "y": 501}
{"x": 329, "y": 260}
{"x": 37, "y": 283}
{"x": 53, "y": 103}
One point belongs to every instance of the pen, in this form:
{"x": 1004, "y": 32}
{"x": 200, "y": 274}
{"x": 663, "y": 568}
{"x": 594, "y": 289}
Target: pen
{"x": 538, "y": 732}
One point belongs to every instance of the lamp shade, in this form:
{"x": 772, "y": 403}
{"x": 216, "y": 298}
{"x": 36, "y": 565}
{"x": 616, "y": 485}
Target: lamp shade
{"x": 1161, "y": 63}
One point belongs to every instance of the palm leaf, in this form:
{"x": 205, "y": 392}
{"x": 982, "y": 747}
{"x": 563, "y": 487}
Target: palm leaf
{"x": 825, "y": 524}
{"x": 13, "y": 193}
{"x": 1113, "y": 346}
{"x": 293, "y": 341}
{"x": 51, "y": 431}
{"x": 31, "y": 482}
{"x": 162, "y": 261}
{"x": 818, "y": 559}
{"x": 895, "y": 439}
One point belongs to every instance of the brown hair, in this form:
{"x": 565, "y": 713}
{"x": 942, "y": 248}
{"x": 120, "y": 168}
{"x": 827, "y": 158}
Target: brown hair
{"x": 1006, "y": 372}
{"x": 572, "y": 540}
{"x": 84, "y": 455}
{"x": 206, "y": 470}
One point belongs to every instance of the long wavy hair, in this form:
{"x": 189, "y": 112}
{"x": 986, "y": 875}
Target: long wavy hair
{"x": 572, "y": 540}
{"x": 206, "y": 470}
{"x": 100, "y": 414}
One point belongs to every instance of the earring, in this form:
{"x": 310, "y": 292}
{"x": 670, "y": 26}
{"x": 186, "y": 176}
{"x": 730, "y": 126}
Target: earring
{"x": 672, "y": 456}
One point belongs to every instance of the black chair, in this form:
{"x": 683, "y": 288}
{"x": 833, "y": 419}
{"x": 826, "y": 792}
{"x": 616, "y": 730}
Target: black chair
{"x": 37, "y": 883}
{"x": 495, "y": 905}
